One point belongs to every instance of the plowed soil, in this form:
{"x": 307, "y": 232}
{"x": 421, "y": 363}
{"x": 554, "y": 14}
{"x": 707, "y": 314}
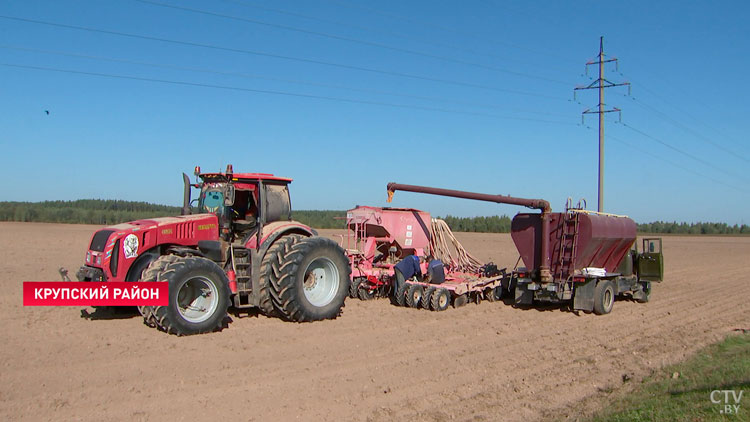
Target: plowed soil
{"x": 376, "y": 362}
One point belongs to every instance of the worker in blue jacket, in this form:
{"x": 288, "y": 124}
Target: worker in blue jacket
{"x": 406, "y": 269}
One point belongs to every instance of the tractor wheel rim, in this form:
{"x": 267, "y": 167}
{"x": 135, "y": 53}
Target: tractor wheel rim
{"x": 321, "y": 282}
{"x": 442, "y": 300}
{"x": 197, "y": 299}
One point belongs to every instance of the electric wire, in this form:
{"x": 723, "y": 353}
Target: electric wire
{"x": 687, "y": 169}
{"x": 352, "y": 40}
{"x": 682, "y": 126}
{"x": 683, "y": 111}
{"x": 679, "y": 151}
{"x": 280, "y": 56}
{"x": 275, "y": 92}
{"x": 409, "y": 20}
{"x": 372, "y": 30}
{"x": 268, "y": 78}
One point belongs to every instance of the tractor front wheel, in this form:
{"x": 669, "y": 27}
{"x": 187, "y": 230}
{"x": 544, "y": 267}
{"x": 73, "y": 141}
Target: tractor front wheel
{"x": 198, "y": 295}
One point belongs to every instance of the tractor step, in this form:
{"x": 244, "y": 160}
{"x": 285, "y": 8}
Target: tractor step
{"x": 242, "y": 299}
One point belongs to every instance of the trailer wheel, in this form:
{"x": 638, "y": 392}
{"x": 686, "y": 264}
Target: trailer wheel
{"x": 198, "y": 295}
{"x": 354, "y": 288}
{"x": 313, "y": 280}
{"x": 645, "y": 295}
{"x": 414, "y": 296}
{"x": 270, "y": 271}
{"x": 427, "y": 296}
{"x": 440, "y": 300}
{"x": 461, "y": 300}
{"x": 365, "y": 293}
{"x": 604, "y": 297}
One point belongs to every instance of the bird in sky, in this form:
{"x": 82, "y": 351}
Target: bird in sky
{"x": 47, "y": 111}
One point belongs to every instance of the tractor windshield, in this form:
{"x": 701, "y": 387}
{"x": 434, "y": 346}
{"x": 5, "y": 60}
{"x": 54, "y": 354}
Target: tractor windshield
{"x": 212, "y": 200}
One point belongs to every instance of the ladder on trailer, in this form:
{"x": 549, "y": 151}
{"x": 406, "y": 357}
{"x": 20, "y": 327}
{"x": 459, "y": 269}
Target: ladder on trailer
{"x": 568, "y": 242}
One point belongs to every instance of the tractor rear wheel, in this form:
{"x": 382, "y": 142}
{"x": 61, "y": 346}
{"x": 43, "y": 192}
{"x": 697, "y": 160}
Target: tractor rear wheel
{"x": 440, "y": 300}
{"x": 414, "y": 296}
{"x": 604, "y": 297}
{"x": 270, "y": 271}
{"x": 198, "y": 295}
{"x": 313, "y": 282}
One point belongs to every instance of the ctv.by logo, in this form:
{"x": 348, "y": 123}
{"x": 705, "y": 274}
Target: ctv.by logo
{"x": 730, "y": 399}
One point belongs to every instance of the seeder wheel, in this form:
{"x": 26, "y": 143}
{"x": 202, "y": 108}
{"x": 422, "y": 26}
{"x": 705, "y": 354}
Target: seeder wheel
{"x": 399, "y": 296}
{"x": 440, "y": 300}
{"x": 365, "y": 293}
{"x": 427, "y": 296}
{"x": 461, "y": 300}
{"x": 414, "y": 295}
{"x": 354, "y": 287}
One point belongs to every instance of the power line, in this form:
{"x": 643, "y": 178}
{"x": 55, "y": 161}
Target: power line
{"x": 679, "y": 151}
{"x": 687, "y": 169}
{"x": 420, "y": 40}
{"x": 409, "y": 20}
{"x": 684, "y": 127}
{"x": 691, "y": 131}
{"x": 350, "y": 39}
{"x": 261, "y": 77}
{"x": 279, "y": 56}
{"x": 274, "y": 92}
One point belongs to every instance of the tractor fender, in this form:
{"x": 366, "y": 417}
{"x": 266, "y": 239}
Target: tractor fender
{"x": 275, "y": 230}
{"x": 142, "y": 262}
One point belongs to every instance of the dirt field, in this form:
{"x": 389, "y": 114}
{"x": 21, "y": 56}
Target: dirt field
{"x": 376, "y": 362}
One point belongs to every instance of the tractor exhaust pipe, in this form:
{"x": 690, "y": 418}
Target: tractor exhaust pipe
{"x": 186, "y": 195}
{"x": 540, "y": 204}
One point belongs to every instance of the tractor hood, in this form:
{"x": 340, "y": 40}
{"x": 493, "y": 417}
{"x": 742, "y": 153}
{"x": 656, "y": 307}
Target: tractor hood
{"x": 120, "y": 245}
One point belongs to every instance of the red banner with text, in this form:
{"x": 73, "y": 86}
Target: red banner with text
{"x": 75, "y": 293}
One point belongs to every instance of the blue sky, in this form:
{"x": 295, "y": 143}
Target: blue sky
{"x": 347, "y": 95}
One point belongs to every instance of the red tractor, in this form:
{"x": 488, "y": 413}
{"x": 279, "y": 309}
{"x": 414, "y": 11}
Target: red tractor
{"x": 238, "y": 247}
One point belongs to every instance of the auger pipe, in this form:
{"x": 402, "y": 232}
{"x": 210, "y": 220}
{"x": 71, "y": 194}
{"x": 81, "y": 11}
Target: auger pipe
{"x": 540, "y": 204}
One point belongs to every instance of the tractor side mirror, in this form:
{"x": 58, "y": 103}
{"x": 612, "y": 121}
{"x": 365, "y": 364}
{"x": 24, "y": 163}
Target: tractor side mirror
{"x": 229, "y": 196}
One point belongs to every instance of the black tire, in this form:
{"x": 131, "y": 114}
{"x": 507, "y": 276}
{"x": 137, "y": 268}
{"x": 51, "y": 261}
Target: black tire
{"x": 314, "y": 280}
{"x": 427, "y": 296}
{"x": 414, "y": 296}
{"x": 193, "y": 282}
{"x": 489, "y": 294}
{"x": 364, "y": 293}
{"x": 440, "y": 300}
{"x": 270, "y": 271}
{"x": 151, "y": 273}
{"x": 461, "y": 300}
{"x": 399, "y": 296}
{"x": 604, "y": 297}
{"x": 354, "y": 288}
{"x": 646, "y": 292}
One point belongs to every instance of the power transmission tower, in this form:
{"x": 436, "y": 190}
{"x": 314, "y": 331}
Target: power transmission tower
{"x": 601, "y": 84}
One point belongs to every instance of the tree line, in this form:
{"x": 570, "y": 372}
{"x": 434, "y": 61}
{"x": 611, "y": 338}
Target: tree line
{"x": 108, "y": 212}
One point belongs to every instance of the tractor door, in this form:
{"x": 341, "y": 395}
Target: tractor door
{"x": 651, "y": 261}
{"x": 276, "y": 203}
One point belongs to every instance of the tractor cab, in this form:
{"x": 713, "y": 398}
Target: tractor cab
{"x": 241, "y": 201}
